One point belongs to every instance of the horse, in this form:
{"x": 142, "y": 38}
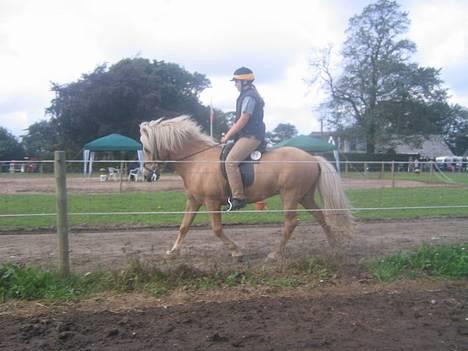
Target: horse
{"x": 288, "y": 171}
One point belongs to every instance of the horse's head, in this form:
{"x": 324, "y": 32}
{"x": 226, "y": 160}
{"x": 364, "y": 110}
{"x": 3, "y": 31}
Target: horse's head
{"x": 151, "y": 153}
{"x": 170, "y": 139}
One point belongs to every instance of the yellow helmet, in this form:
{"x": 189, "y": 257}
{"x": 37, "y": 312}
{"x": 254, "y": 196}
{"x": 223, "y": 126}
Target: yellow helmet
{"x": 243, "y": 73}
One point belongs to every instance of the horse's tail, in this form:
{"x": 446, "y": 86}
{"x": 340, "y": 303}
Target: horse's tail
{"x": 337, "y": 210}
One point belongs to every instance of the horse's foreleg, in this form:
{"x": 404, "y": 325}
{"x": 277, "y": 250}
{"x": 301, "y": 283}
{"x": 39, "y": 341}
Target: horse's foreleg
{"x": 217, "y": 227}
{"x": 191, "y": 208}
{"x": 290, "y": 223}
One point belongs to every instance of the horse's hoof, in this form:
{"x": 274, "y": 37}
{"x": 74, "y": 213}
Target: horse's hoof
{"x": 273, "y": 256}
{"x": 237, "y": 254}
{"x": 172, "y": 252}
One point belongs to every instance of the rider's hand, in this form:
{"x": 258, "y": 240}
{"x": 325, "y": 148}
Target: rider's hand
{"x": 224, "y": 140}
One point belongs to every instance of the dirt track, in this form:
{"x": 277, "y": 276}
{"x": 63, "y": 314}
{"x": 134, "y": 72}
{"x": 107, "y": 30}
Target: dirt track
{"x": 79, "y": 184}
{"x": 352, "y": 312}
{"x": 101, "y": 250}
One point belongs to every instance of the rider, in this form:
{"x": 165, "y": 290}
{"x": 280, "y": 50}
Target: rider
{"x": 248, "y": 132}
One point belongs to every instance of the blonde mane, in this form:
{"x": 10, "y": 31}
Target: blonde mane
{"x": 172, "y": 134}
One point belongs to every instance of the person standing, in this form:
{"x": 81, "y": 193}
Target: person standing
{"x": 248, "y": 132}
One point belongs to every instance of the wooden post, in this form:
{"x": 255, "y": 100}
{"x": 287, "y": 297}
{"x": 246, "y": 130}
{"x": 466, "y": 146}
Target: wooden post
{"x": 382, "y": 170}
{"x": 62, "y": 212}
{"x": 121, "y": 175}
{"x": 393, "y": 174}
{"x": 346, "y": 166}
{"x": 432, "y": 171}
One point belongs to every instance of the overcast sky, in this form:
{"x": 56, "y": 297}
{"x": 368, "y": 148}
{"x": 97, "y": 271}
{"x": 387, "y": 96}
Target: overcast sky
{"x": 59, "y": 40}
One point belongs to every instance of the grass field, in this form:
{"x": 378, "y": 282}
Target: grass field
{"x": 427, "y": 177}
{"x": 112, "y": 209}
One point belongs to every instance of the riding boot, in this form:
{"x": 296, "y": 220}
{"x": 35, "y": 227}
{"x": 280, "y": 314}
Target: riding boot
{"x": 235, "y": 204}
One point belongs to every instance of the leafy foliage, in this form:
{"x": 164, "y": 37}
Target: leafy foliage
{"x": 380, "y": 92}
{"x": 41, "y": 140}
{"x": 118, "y": 98}
{"x": 283, "y": 131}
{"x": 10, "y": 148}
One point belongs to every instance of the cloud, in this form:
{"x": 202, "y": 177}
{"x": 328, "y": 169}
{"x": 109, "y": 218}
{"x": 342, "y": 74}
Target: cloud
{"x": 55, "y": 40}
{"x": 442, "y": 41}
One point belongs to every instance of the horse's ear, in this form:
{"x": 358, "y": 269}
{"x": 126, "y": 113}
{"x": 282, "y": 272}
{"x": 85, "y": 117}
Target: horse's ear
{"x": 162, "y": 119}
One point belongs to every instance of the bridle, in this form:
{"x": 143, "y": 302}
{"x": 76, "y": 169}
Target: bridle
{"x": 154, "y": 171}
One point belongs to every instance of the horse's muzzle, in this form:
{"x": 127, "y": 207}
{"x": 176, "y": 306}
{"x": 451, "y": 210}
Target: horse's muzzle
{"x": 152, "y": 176}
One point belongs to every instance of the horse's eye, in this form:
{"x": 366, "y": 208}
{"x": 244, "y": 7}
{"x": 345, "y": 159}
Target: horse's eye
{"x": 146, "y": 150}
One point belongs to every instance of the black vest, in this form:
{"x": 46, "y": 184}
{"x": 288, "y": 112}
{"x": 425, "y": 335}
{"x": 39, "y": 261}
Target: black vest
{"x": 255, "y": 126}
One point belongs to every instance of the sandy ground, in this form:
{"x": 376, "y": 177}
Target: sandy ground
{"x": 34, "y": 184}
{"x": 101, "y": 250}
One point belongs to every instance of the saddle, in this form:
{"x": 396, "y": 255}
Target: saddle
{"x": 246, "y": 167}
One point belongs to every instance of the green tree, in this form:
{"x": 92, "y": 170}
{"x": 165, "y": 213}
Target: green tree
{"x": 456, "y": 130}
{"x": 41, "y": 140}
{"x": 118, "y": 98}
{"x": 283, "y": 131}
{"x": 10, "y": 147}
{"x": 379, "y": 91}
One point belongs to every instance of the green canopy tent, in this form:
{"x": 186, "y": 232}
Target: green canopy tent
{"x": 311, "y": 144}
{"x": 111, "y": 142}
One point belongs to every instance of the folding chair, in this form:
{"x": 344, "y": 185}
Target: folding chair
{"x": 136, "y": 174}
{"x": 113, "y": 173}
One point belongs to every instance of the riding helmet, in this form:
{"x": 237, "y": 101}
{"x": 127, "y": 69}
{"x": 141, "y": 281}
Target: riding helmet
{"x": 243, "y": 73}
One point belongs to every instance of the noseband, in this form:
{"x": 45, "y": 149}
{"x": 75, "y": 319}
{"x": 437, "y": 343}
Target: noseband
{"x": 157, "y": 174}
{"x": 154, "y": 174}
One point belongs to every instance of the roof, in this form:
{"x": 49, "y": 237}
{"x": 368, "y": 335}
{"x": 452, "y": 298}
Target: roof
{"x": 307, "y": 143}
{"x": 113, "y": 142}
{"x": 431, "y": 147}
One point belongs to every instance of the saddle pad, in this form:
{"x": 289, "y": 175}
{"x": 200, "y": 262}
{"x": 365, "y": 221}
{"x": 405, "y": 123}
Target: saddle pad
{"x": 246, "y": 168}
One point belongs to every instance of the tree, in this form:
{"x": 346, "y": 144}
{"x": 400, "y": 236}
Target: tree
{"x": 10, "y": 147}
{"x": 379, "y": 91}
{"x": 118, "y": 98}
{"x": 223, "y": 121}
{"x": 283, "y": 131}
{"x": 456, "y": 130}
{"x": 41, "y": 140}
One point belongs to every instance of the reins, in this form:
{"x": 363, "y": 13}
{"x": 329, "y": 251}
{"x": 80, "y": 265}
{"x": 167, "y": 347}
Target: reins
{"x": 180, "y": 159}
{"x": 198, "y": 152}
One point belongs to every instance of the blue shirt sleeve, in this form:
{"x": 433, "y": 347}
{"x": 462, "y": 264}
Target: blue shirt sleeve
{"x": 248, "y": 105}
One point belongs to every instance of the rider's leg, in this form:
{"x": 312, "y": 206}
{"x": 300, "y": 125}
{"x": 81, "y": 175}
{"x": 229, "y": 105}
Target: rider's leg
{"x": 239, "y": 152}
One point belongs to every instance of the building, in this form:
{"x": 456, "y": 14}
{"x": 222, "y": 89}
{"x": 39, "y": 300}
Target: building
{"x": 427, "y": 148}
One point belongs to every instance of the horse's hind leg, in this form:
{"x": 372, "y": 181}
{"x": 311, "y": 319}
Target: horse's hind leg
{"x": 191, "y": 208}
{"x": 217, "y": 226}
{"x": 290, "y": 223}
{"x": 309, "y": 203}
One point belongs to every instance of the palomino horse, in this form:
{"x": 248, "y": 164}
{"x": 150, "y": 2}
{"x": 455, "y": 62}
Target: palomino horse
{"x": 291, "y": 172}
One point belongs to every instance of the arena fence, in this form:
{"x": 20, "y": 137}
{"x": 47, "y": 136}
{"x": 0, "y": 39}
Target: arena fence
{"x": 123, "y": 177}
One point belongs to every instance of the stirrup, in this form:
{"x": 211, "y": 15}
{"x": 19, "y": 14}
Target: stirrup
{"x": 229, "y": 205}
{"x": 236, "y": 204}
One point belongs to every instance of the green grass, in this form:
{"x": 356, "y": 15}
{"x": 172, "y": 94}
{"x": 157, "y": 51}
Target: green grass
{"x": 175, "y": 202}
{"x": 386, "y": 199}
{"x": 32, "y": 283}
{"x": 447, "y": 261}
{"x": 29, "y": 283}
{"x": 427, "y": 177}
